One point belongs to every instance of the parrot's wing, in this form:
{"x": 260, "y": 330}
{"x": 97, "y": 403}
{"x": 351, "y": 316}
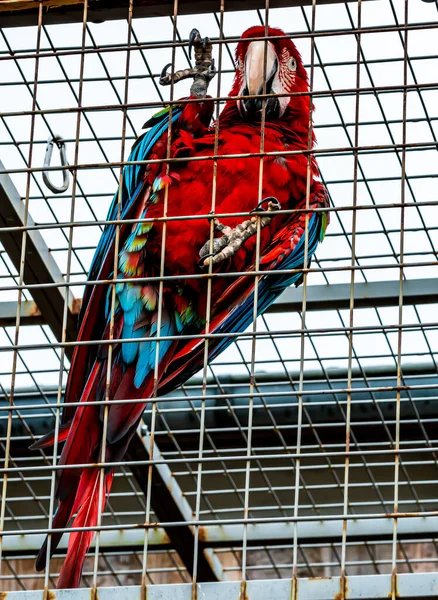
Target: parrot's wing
{"x": 92, "y": 318}
{"x": 271, "y": 286}
{"x": 77, "y": 489}
{"x": 234, "y": 310}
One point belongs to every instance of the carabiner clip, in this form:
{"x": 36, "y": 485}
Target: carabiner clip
{"x": 57, "y": 139}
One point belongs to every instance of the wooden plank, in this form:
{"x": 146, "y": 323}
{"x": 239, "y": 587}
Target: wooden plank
{"x": 17, "y": 13}
{"x": 12, "y": 5}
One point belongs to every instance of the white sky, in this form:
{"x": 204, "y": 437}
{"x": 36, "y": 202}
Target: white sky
{"x": 379, "y": 173}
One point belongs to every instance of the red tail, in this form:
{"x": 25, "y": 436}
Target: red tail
{"x": 87, "y": 501}
{"x": 78, "y": 488}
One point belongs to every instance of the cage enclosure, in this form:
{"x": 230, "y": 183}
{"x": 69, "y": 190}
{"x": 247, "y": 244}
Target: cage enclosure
{"x": 297, "y": 458}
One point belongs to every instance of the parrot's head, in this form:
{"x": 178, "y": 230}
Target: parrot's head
{"x": 283, "y": 73}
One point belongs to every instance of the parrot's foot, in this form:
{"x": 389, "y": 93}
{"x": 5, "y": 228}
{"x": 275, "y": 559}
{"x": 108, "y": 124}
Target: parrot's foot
{"x": 233, "y": 239}
{"x": 204, "y": 69}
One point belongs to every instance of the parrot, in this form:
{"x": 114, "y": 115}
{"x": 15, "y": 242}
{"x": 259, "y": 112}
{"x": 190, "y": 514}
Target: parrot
{"x": 129, "y": 301}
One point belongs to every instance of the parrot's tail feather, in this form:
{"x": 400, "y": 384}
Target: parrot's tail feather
{"x": 76, "y": 487}
{"x": 80, "y": 448}
{"x": 123, "y": 418}
{"x": 49, "y": 439}
{"x": 87, "y": 500}
{"x": 60, "y": 520}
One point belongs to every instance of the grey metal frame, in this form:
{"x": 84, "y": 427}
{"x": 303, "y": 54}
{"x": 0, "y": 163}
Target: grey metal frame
{"x": 370, "y": 587}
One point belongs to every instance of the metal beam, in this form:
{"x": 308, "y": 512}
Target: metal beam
{"x": 329, "y": 531}
{"x": 39, "y": 266}
{"x": 337, "y": 296}
{"x": 318, "y": 297}
{"x": 19, "y": 545}
{"x": 357, "y": 587}
{"x": 321, "y": 404}
{"x": 30, "y": 314}
{"x": 18, "y": 13}
{"x": 224, "y": 536}
{"x": 170, "y": 504}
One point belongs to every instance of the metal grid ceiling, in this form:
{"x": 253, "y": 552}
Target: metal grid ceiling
{"x": 311, "y": 399}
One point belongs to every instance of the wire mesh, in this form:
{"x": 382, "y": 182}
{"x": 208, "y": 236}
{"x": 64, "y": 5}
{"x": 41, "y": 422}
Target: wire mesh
{"x": 308, "y": 447}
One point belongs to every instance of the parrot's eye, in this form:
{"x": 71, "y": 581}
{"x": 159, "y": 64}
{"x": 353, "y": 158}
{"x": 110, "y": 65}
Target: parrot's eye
{"x": 292, "y": 64}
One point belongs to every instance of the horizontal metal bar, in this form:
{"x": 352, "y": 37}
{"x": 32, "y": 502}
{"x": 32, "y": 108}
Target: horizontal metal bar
{"x": 122, "y": 106}
{"x": 225, "y": 535}
{"x": 387, "y": 453}
{"x": 328, "y": 152}
{"x": 227, "y": 274}
{"x": 20, "y": 12}
{"x": 315, "y": 34}
{"x": 431, "y": 326}
{"x": 360, "y": 587}
{"x": 218, "y": 215}
{"x": 132, "y": 138}
{"x": 146, "y": 76}
{"x": 320, "y": 399}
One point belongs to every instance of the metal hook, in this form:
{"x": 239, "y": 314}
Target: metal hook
{"x": 57, "y": 139}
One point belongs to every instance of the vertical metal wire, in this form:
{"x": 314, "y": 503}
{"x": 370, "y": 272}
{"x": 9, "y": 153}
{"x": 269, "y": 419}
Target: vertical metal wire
{"x": 208, "y": 308}
{"x": 294, "y": 590}
{"x": 394, "y": 587}
{"x": 160, "y": 310}
{"x": 254, "y": 322}
{"x": 343, "y": 590}
{"x": 20, "y": 290}
{"x": 66, "y": 302}
{"x": 110, "y": 347}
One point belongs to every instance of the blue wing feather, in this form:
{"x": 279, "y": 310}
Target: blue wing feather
{"x": 131, "y": 187}
{"x": 270, "y": 287}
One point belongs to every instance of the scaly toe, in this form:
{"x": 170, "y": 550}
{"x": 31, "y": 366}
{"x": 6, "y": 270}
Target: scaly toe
{"x": 194, "y": 37}
{"x": 217, "y": 245}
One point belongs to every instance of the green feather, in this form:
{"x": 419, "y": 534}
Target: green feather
{"x": 158, "y": 116}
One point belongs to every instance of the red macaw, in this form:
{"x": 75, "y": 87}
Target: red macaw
{"x": 188, "y": 187}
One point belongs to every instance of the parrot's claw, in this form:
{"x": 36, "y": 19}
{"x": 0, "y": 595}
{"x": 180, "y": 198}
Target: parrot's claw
{"x": 232, "y": 240}
{"x": 194, "y": 36}
{"x": 203, "y": 71}
{"x": 164, "y": 76}
{"x": 273, "y": 204}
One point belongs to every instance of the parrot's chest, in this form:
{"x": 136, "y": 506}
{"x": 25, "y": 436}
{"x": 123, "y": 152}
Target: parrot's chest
{"x": 232, "y": 187}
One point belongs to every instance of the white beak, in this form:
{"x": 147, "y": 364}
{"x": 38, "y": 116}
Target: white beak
{"x": 254, "y": 65}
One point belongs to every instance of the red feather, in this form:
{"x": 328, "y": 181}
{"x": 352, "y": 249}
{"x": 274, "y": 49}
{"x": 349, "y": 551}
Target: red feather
{"x": 79, "y": 448}
{"x": 87, "y": 500}
{"x": 49, "y": 439}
